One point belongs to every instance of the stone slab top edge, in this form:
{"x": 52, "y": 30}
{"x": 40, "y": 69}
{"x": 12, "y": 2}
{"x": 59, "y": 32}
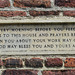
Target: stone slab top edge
{"x": 38, "y": 20}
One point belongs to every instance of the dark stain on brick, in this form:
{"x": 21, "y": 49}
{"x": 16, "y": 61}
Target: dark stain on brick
{"x": 34, "y": 62}
{"x": 65, "y": 3}
{"x": 11, "y": 63}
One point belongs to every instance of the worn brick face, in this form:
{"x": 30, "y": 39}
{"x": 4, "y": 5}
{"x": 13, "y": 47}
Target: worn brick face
{"x": 47, "y": 73}
{"x": 20, "y": 72}
{"x": 11, "y": 62}
{"x": 43, "y": 13}
{"x": 34, "y": 62}
{"x": 32, "y": 3}
{"x": 52, "y": 72}
{"x": 59, "y": 72}
{"x": 4, "y": 3}
{"x": 68, "y": 72}
{"x": 66, "y": 3}
{"x": 12, "y": 13}
{"x": 53, "y": 62}
{"x": 69, "y": 13}
{"x": 69, "y": 62}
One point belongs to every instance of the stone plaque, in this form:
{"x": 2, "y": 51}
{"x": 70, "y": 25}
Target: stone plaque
{"x": 37, "y": 39}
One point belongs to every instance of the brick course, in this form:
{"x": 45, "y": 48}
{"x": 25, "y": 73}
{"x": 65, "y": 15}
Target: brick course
{"x": 20, "y": 66}
{"x": 59, "y": 72}
{"x": 20, "y": 72}
{"x": 28, "y": 8}
{"x": 43, "y": 13}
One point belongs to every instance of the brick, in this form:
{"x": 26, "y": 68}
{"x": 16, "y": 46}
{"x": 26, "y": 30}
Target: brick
{"x": 34, "y": 62}
{"x": 43, "y": 13}
{"x": 69, "y": 62}
{"x": 69, "y": 13}
{"x": 53, "y": 62}
{"x": 52, "y": 72}
{"x": 12, "y": 13}
{"x": 1, "y": 62}
{"x": 32, "y": 3}
{"x": 48, "y": 73}
{"x": 4, "y": 3}
{"x": 59, "y": 72}
{"x": 68, "y": 72}
{"x": 20, "y": 72}
{"x": 12, "y": 63}
{"x": 65, "y": 3}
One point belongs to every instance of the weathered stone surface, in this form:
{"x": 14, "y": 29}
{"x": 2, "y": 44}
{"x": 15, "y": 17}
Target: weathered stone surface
{"x": 35, "y": 39}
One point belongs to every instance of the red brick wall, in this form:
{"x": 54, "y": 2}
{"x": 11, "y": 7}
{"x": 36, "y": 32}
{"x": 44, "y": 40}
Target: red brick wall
{"x": 37, "y": 65}
{"x": 10, "y": 8}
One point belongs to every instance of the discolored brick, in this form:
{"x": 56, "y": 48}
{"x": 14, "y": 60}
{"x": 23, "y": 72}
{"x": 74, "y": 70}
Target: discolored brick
{"x": 32, "y": 3}
{"x": 34, "y": 62}
{"x": 12, "y": 13}
{"x": 4, "y": 3}
{"x": 43, "y": 13}
{"x": 48, "y": 73}
{"x": 65, "y": 3}
{"x": 53, "y": 62}
{"x": 20, "y": 72}
{"x": 68, "y": 72}
{"x": 52, "y": 72}
{"x": 69, "y": 62}
{"x": 59, "y": 72}
{"x": 69, "y": 13}
{"x": 12, "y": 63}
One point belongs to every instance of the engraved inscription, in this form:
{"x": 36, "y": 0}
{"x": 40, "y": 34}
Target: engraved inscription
{"x": 37, "y": 39}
